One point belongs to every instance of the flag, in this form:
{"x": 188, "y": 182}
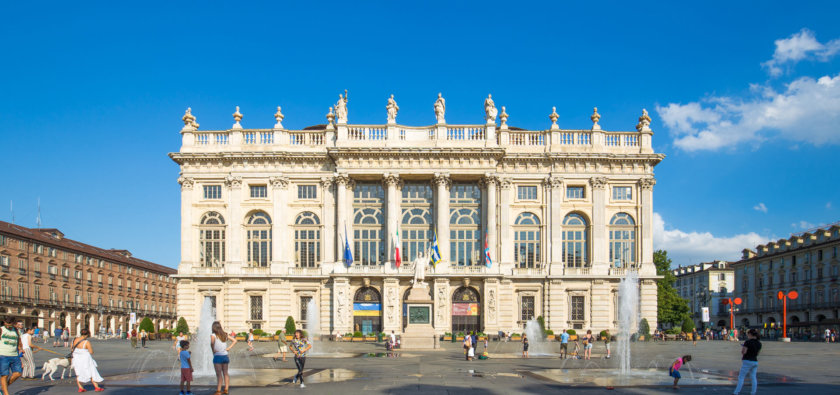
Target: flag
{"x": 348, "y": 255}
{"x": 435, "y": 253}
{"x": 397, "y": 257}
{"x": 487, "y": 261}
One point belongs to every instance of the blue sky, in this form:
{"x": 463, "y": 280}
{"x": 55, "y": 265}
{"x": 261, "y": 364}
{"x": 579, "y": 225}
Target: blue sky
{"x": 745, "y": 99}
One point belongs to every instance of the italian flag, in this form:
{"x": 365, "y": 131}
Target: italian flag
{"x": 397, "y": 255}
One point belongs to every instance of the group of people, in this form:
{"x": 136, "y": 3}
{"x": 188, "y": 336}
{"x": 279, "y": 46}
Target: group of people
{"x": 17, "y": 350}
{"x": 749, "y": 364}
{"x": 471, "y": 345}
{"x": 588, "y": 341}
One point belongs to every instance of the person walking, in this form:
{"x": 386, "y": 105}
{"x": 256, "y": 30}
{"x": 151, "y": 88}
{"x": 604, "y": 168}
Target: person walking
{"x": 221, "y": 360}
{"x": 65, "y": 336}
{"x": 143, "y": 336}
{"x": 467, "y": 346}
{"x": 749, "y": 362}
{"x": 694, "y": 336}
{"x": 299, "y": 346}
{"x": 57, "y": 332}
{"x": 10, "y": 349}
{"x": 83, "y": 363}
{"x": 250, "y": 340}
{"x": 392, "y": 341}
{"x": 525, "y": 346}
{"x": 607, "y": 342}
{"x": 186, "y": 366}
{"x": 133, "y": 337}
{"x": 282, "y": 346}
{"x": 564, "y": 345}
{"x": 28, "y": 360}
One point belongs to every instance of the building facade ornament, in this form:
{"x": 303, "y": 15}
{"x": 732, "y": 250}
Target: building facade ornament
{"x": 187, "y": 183}
{"x": 647, "y": 183}
{"x": 237, "y": 116}
{"x": 491, "y": 304}
{"x": 278, "y": 116}
{"x": 233, "y": 181}
{"x": 341, "y": 108}
{"x": 327, "y": 182}
{"x": 389, "y": 179}
{"x": 553, "y": 117}
{"x": 442, "y": 302}
{"x": 505, "y": 182}
{"x": 189, "y": 120}
{"x": 344, "y": 180}
{"x": 330, "y": 119}
{"x": 644, "y": 122}
{"x": 442, "y": 179}
{"x": 279, "y": 182}
{"x": 488, "y": 179}
{"x": 392, "y": 108}
{"x": 554, "y": 182}
{"x": 440, "y": 109}
{"x": 503, "y": 117}
{"x": 595, "y": 118}
{"x": 490, "y": 110}
{"x": 598, "y": 182}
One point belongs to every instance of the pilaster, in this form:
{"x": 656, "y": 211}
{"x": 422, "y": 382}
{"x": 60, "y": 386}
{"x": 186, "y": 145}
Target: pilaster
{"x": 489, "y": 182}
{"x": 392, "y": 184}
{"x": 187, "y": 194}
{"x": 646, "y": 222}
{"x": 442, "y": 184}
{"x": 599, "y": 228}
{"x": 328, "y": 200}
{"x": 234, "y": 198}
{"x": 491, "y": 307}
{"x": 505, "y": 236}
{"x": 442, "y": 312}
{"x": 279, "y": 219}
{"x": 342, "y": 306}
{"x": 555, "y": 233}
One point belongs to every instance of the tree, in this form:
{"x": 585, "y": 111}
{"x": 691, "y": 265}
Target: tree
{"x": 541, "y": 321}
{"x": 670, "y": 307}
{"x": 290, "y": 325}
{"x": 147, "y": 325}
{"x": 688, "y": 325}
{"x": 644, "y": 328}
{"x": 182, "y": 326}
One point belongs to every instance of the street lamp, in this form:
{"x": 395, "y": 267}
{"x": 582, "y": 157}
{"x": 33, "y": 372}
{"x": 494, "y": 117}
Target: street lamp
{"x": 792, "y": 295}
{"x": 731, "y": 302}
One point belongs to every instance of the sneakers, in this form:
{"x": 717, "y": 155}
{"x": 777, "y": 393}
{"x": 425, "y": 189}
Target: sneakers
{"x": 181, "y": 393}
{"x": 189, "y": 393}
{"x": 302, "y": 385}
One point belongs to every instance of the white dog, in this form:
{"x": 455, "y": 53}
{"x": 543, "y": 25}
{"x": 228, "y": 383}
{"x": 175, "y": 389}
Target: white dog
{"x": 52, "y": 365}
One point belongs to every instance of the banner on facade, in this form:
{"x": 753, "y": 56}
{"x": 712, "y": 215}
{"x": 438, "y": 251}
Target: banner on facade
{"x": 367, "y": 309}
{"x": 705, "y": 314}
{"x": 132, "y": 319}
{"x": 465, "y": 309}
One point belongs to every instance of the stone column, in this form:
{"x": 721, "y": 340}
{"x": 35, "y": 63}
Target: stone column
{"x": 342, "y": 182}
{"x": 489, "y": 182}
{"x": 234, "y": 240}
{"x": 279, "y": 219}
{"x": 392, "y": 184}
{"x": 442, "y": 184}
{"x": 505, "y": 238}
{"x": 598, "y": 229}
{"x": 645, "y": 253}
{"x": 328, "y": 199}
{"x": 187, "y": 220}
{"x": 555, "y": 223}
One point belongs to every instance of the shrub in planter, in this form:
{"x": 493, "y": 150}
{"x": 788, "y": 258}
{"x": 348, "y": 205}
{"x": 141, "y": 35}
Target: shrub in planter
{"x": 182, "y": 326}
{"x": 571, "y": 332}
{"x": 644, "y": 328}
{"x": 146, "y": 324}
{"x": 357, "y": 334}
{"x": 259, "y": 332}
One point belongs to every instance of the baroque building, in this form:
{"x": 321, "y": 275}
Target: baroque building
{"x": 807, "y": 263}
{"x": 51, "y": 281}
{"x": 708, "y": 285}
{"x": 269, "y": 218}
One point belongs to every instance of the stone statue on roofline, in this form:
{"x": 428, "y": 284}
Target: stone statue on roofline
{"x": 644, "y": 122}
{"x": 189, "y": 120}
{"x": 393, "y": 109}
{"x": 490, "y": 110}
{"x": 341, "y": 108}
{"x": 440, "y": 109}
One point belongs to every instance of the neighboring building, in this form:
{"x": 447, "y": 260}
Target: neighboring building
{"x": 49, "y": 280}
{"x": 706, "y": 285}
{"x": 266, "y": 215}
{"x": 807, "y": 263}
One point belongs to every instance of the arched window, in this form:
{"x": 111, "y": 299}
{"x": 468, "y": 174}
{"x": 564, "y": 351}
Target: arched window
{"x": 465, "y": 225}
{"x": 466, "y": 310}
{"x": 526, "y": 234}
{"x": 368, "y": 224}
{"x": 211, "y": 235}
{"x": 307, "y": 240}
{"x": 623, "y": 240}
{"x": 367, "y": 310}
{"x": 416, "y": 230}
{"x": 575, "y": 241}
{"x": 258, "y": 231}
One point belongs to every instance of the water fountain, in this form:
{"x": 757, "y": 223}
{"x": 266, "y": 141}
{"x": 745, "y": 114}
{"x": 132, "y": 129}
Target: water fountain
{"x": 536, "y": 339}
{"x": 628, "y": 318}
{"x": 202, "y": 356}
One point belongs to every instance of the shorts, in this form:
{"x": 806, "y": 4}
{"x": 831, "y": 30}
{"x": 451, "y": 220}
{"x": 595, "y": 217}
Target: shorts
{"x": 221, "y": 359}
{"x": 9, "y": 365}
{"x": 283, "y": 349}
{"x": 525, "y": 347}
{"x": 564, "y": 347}
{"x": 186, "y": 374}
{"x": 675, "y": 374}
{"x": 607, "y": 345}
{"x": 588, "y": 346}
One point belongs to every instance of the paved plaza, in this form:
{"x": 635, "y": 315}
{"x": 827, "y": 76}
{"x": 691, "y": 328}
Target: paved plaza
{"x": 350, "y": 368}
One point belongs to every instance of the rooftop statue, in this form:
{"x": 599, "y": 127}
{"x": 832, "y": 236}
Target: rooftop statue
{"x": 189, "y": 119}
{"x": 490, "y": 109}
{"x": 440, "y": 109}
{"x": 341, "y": 108}
{"x": 553, "y": 117}
{"x": 644, "y": 122}
{"x": 393, "y": 109}
{"x": 237, "y": 116}
{"x": 503, "y": 117}
{"x": 595, "y": 118}
{"x": 279, "y": 117}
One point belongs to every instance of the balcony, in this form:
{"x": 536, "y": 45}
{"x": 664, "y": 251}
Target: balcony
{"x": 256, "y": 270}
{"x": 36, "y": 274}
{"x": 577, "y": 271}
{"x": 89, "y": 283}
{"x": 304, "y": 271}
{"x": 528, "y": 271}
{"x": 208, "y": 270}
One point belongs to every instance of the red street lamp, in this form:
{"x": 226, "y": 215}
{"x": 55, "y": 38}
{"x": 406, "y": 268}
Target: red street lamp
{"x": 792, "y": 295}
{"x": 732, "y": 302}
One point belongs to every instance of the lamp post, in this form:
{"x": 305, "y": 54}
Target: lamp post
{"x": 792, "y": 295}
{"x": 731, "y": 302}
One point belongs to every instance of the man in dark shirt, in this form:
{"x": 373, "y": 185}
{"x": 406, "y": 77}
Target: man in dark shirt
{"x": 749, "y": 361}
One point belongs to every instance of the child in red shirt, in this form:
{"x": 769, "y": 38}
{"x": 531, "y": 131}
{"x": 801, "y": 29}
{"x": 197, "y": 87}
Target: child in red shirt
{"x": 674, "y": 371}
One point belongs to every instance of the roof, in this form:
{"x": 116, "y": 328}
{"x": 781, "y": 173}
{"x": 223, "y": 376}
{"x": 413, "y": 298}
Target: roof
{"x": 702, "y": 267}
{"x": 46, "y": 236}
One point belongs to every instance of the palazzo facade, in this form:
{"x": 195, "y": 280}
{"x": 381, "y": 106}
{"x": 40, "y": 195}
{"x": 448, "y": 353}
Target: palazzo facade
{"x": 268, "y": 217}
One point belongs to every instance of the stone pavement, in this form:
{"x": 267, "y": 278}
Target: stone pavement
{"x": 784, "y": 369}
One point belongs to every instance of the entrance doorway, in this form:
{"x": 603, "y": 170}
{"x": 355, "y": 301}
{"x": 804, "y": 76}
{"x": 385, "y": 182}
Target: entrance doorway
{"x": 367, "y": 311}
{"x": 466, "y": 310}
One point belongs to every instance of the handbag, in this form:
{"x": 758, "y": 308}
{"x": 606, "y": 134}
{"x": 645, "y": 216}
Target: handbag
{"x": 69, "y": 356}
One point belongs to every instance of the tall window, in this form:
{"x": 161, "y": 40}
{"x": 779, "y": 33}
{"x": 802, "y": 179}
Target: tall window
{"x": 307, "y": 192}
{"x": 622, "y": 193}
{"x": 212, "y": 239}
{"x": 526, "y": 234}
{"x": 307, "y": 240}
{"x": 573, "y": 192}
{"x": 578, "y": 313}
{"x": 256, "y": 307}
{"x": 258, "y": 232}
{"x": 623, "y": 240}
{"x": 575, "y": 241}
{"x": 212, "y": 191}
{"x": 527, "y": 308}
{"x": 368, "y": 224}
{"x": 416, "y": 232}
{"x": 259, "y": 191}
{"x": 465, "y": 225}
{"x": 526, "y": 192}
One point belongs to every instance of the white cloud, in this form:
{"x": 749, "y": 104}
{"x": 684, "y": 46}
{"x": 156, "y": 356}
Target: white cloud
{"x": 686, "y": 248}
{"x": 802, "y": 225}
{"x": 807, "y": 110}
{"x": 828, "y": 205}
{"x": 799, "y": 46}
{"x": 760, "y": 207}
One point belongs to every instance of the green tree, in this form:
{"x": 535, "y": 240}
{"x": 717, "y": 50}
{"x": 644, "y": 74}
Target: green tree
{"x": 147, "y": 325}
{"x": 182, "y": 326}
{"x": 541, "y": 321}
{"x": 688, "y": 325}
{"x": 290, "y": 325}
{"x": 670, "y": 307}
{"x": 644, "y": 328}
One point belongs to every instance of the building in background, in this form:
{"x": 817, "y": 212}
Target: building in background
{"x": 52, "y": 281}
{"x": 807, "y": 263}
{"x": 706, "y": 285}
{"x": 268, "y": 214}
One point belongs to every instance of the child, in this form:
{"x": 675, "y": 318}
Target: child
{"x": 675, "y": 369}
{"x": 525, "y": 346}
{"x": 576, "y": 354}
{"x": 250, "y": 340}
{"x": 186, "y": 367}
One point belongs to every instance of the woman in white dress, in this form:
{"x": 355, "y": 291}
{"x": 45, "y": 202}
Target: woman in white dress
{"x": 83, "y": 363}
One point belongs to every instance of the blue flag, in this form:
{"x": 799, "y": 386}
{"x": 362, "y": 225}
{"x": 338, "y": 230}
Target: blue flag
{"x": 348, "y": 255}
{"x": 435, "y": 255}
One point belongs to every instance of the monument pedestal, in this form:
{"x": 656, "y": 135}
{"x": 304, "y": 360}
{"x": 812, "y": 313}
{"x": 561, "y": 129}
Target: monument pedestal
{"x": 419, "y": 333}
